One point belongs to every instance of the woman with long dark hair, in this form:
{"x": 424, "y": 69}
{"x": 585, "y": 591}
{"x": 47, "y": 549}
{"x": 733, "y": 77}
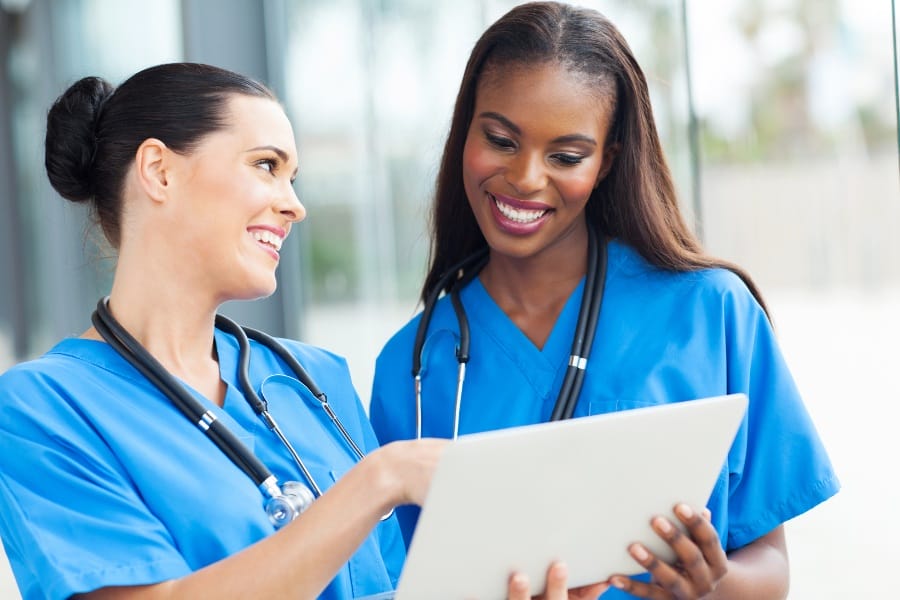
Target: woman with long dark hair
{"x": 556, "y": 227}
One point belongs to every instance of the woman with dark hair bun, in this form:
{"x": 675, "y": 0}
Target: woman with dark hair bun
{"x": 107, "y": 490}
{"x": 573, "y": 287}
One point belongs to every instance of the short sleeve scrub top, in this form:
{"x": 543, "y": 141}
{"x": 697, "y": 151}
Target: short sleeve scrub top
{"x": 662, "y": 337}
{"x": 103, "y": 482}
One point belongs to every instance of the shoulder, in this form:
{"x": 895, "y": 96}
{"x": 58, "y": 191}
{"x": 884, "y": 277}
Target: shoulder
{"x": 56, "y": 399}
{"x": 717, "y": 289}
{"x": 397, "y": 351}
{"x": 320, "y": 363}
{"x": 62, "y": 369}
{"x": 308, "y": 354}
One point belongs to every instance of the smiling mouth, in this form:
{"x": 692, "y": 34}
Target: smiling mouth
{"x": 268, "y": 238}
{"x": 518, "y": 215}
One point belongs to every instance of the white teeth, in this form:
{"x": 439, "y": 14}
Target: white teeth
{"x": 518, "y": 215}
{"x": 267, "y": 237}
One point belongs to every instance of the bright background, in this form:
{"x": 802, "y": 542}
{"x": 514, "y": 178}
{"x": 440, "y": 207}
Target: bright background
{"x": 779, "y": 118}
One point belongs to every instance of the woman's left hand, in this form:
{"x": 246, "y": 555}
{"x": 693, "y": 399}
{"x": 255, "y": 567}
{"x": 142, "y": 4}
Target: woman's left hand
{"x": 700, "y": 566}
{"x": 557, "y": 587}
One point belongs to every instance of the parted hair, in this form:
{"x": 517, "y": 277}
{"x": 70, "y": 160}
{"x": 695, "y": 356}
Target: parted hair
{"x": 636, "y": 202}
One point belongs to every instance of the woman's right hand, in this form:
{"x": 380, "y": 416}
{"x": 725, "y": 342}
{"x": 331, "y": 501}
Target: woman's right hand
{"x": 557, "y": 587}
{"x": 408, "y": 467}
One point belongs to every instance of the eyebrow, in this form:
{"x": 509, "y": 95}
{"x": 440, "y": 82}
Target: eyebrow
{"x": 281, "y": 153}
{"x": 563, "y": 139}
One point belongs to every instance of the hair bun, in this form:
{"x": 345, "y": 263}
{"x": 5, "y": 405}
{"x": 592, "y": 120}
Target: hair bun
{"x": 70, "y": 145}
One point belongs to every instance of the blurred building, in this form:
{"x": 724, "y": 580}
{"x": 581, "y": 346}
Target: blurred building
{"x": 781, "y": 130}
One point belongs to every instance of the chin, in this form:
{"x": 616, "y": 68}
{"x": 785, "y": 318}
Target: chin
{"x": 256, "y": 291}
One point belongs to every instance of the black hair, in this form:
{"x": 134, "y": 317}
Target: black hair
{"x": 94, "y": 129}
{"x": 636, "y": 202}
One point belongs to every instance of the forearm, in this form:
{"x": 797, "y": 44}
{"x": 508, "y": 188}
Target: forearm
{"x": 296, "y": 562}
{"x": 758, "y": 571}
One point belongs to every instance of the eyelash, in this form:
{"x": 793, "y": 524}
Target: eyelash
{"x": 563, "y": 159}
{"x": 270, "y": 162}
{"x": 499, "y": 141}
{"x": 567, "y": 160}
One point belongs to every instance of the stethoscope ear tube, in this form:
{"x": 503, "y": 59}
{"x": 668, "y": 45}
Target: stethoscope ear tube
{"x": 272, "y": 344}
{"x": 463, "y": 271}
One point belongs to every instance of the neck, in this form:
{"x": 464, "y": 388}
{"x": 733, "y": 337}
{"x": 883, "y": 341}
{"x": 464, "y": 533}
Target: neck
{"x": 533, "y": 290}
{"x": 171, "y": 319}
{"x": 534, "y": 282}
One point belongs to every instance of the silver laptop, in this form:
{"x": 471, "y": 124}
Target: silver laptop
{"x": 579, "y": 491}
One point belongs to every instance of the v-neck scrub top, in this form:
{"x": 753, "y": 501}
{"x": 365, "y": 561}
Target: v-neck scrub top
{"x": 662, "y": 337}
{"x": 104, "y": 482}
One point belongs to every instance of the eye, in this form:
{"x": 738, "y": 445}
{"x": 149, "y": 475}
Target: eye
{"x": 498, "y": 141}
{"x": 267, "y": 164}
{"x": 567, "y": 160}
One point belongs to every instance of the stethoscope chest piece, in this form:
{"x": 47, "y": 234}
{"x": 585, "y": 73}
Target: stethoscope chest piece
{"x": 283, "y": 508}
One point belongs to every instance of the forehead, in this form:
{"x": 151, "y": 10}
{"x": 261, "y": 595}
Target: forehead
{"x": 547, "y": 94}
{"x": 256, "y": 121}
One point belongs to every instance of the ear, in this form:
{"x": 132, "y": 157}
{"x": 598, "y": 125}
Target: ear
{"x": 151, "y": 165}
{"x": 609, "y": 157}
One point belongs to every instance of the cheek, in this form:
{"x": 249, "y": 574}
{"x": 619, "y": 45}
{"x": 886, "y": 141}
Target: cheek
{"x": 477, "y": 164}
{"x": 578, "y": 186}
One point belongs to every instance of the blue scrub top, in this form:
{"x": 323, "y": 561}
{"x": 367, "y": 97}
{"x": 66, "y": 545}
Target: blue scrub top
{"x": 104, "y": 482}
{"x": 662, "y": 337}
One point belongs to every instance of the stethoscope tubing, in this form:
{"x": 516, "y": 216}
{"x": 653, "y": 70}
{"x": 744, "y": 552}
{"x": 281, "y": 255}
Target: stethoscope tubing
{"x": 585, "y": 329}
{"x": 461, "y": 274}
{"x": 136, "y": 355}
{"x": 132, "y": 351}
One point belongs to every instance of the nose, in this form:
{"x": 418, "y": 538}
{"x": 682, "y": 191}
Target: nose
{"x": 526, "y": 173}
{"x": 290, "y": 207}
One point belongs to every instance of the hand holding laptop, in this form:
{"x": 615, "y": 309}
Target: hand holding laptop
{"x": 517, "y": 500}
{"x": 557, "y": 586}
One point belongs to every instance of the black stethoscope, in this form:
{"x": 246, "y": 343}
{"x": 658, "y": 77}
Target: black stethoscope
{"x": 460, "y": 275}
{"x": 283, "y": 502}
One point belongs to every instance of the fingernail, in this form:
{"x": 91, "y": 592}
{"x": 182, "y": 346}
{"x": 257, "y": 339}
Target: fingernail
{"x": 519, "y": 581}
{"x": 662, "y": 524}
{"x": 685, "y": 511}
{"x": 617, "y": 582}
{"x": 639, "y": 552}
{"x": 561, "y": 570}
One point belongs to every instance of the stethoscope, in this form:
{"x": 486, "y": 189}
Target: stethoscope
{"x": 283, "y": 502}
{"x": 458, "y": 276}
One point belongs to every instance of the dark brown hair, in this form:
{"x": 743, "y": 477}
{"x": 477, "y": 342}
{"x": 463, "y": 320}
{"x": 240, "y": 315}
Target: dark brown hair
{"x": 94, "y": 129}
{"x": 636, "y": 202}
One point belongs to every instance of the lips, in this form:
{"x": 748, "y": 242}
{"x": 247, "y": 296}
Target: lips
{"x": 267, "y": 237}
{"x": 519, "y": 215}
{"x": 516, "y": 216}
